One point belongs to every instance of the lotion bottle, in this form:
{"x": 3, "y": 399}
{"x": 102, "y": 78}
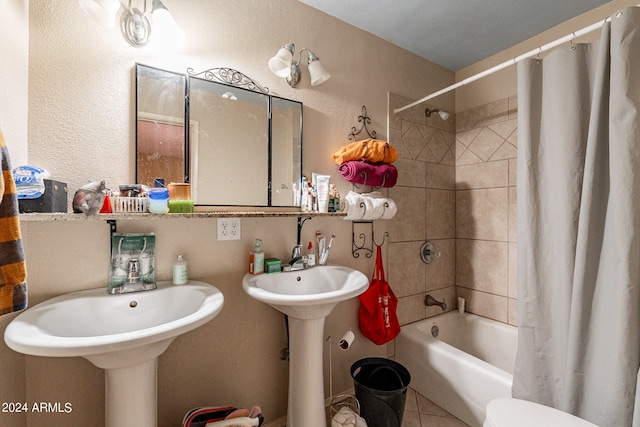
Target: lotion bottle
{"x": 180, "y": 271}
{"x": 256, "y": 259}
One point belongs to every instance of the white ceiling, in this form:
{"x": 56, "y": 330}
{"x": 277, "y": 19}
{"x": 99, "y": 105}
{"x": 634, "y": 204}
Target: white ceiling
{"x": 454, "y": 33}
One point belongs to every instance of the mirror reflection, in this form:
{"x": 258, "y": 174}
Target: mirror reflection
{"x": 160, "y": 138}
{"x": 243, "y": 147}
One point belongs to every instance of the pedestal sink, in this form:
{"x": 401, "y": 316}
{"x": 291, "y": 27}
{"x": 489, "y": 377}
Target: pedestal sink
{"x": 307, "y": 297}
{"x": 123, "y": 334}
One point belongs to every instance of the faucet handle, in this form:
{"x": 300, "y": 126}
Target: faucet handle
{"x": 297, "y": 251}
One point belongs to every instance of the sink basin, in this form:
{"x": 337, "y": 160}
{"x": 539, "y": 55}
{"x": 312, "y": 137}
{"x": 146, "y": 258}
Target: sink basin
{"x": 306, "y": 294}
{"x": 307, "y": 297}
{"x": 123, "y": 334}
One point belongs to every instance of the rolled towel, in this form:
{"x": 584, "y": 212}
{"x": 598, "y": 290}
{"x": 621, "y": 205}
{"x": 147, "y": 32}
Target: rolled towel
{"x": 354, "y": 206}
{"x": 368, "y": 206}
{"x": 372, "y": 150}
{"x": 373, "y": 174}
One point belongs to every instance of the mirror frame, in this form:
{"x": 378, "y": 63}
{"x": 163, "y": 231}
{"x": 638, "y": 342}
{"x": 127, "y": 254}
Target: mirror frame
{"x": 232, "y": 82}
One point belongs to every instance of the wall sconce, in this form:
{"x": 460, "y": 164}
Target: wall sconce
{"x": 135, "y": 25}
{"x": 102, "y": 11}
{"x": 283, "y": 65}
{"x": 443, "y": 114}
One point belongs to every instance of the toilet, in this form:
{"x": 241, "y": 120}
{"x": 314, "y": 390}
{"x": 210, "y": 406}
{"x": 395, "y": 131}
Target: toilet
{"x": 507, "y": 412}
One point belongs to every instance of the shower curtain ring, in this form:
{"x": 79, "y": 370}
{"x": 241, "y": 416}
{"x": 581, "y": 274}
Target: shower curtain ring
{"x": 573, "y": 44}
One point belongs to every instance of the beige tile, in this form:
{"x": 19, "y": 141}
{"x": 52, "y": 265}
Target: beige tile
{"x": 483, "y": 175}
{"x": 483, "y": 115}
{"x": 436, "y": 421}
{"x": 468, "y": 157}
{"x": 413, "y": 140}
{"x": 482, "y": 265}
{"x": 406, "y": 269}
{"x": 506, "y": 128}
{"x": 513, "y": 106}
{"x": 467, "y": 137}
{"x": 411, "y": 173}
{"x": 411, "y": 402}
{"x": 440, "y": 176}
{"x": 513, "y": 172}
{"x": 425, "y": 406}
{"x": 513, "y": 216}
{"x": 449, "y": 157}
{"x": 513, "y": 312}
{"x": 486, "y": 144}
{"x": 410, "y": 308}
{"x": 481, "y": 214}
{"x": 411, "y": 419}
{"x": 395, "y": 139}
{"x": 513, "y": 271}
{"x": 441, "y": 272}
{"x": 484, "y": 304}
{"x": 438, "y": 146}
{"x": 440, "y": 214}
{"x": 505, "y": 151}
{"x": 409, "y": 223}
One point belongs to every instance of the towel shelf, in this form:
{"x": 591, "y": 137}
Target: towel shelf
{"x": 363, "y": 244}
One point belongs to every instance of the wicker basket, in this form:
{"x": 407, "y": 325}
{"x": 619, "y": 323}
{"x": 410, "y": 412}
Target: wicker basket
{"x": 129, "y": 204}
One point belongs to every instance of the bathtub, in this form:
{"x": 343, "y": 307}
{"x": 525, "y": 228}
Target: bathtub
{"x": 469, "y": 364}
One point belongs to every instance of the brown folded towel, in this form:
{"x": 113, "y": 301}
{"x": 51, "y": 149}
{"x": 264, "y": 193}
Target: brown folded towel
{"x": 13, "y": 285}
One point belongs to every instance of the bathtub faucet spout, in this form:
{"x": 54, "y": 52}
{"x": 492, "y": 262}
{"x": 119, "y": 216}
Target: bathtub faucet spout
{"x": 429, "y": 300}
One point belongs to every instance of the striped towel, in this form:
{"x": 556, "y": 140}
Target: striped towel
{"x": 13, "y": 285}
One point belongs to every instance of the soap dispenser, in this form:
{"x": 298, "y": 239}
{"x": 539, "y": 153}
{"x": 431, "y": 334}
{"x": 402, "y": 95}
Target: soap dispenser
{"x": 256, "y": 259}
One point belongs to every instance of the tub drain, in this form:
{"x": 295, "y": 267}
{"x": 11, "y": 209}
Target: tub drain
{"x": 434, "y": 331}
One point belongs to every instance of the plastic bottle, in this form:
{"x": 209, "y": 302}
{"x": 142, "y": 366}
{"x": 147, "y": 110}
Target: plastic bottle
{"x": 180, "y": 271}
{"x": 158, "y": 200}
{"x": 256, "y": 259}
{"x": 311, "y": 255}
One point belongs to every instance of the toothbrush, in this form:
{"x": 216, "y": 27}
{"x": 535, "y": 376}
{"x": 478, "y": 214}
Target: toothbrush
{"x": 325, "y": 254}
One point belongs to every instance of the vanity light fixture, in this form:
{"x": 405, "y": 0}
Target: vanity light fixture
{"x": 102, "y": 11}
{"x": 443, "y": 114}
{"x": 135, "y": 24}
{"x": 283, "y": 65}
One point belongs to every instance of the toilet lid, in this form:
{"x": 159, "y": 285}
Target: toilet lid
{"x": 505, "y": 412}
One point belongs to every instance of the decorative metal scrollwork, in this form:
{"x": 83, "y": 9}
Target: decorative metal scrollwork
{"x": 365, "y": 120}
{"x": 363, "y": 245}
{"x": 229, "y": 76}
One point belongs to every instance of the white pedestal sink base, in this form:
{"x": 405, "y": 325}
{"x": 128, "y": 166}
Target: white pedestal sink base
{"x": 131, "y": 395}
{"x": 305, "y": 407}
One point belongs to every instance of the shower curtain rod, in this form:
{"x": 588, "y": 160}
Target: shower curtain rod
{"x": 513, "y": 61}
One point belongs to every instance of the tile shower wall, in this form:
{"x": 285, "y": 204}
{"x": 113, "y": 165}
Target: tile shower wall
{"x": 457, "y": 188}
{"x": 485, "y": 183}
{"x": 426, "y": 199}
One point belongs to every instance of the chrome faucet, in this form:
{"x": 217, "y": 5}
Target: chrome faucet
{"x": 133, "y": 281}
{"x": 298, "y": 262}
{"x": 429, "y": 300}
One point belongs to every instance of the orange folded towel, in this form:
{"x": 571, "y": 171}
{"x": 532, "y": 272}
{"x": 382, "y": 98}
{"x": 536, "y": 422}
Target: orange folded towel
{"x": 372, "y": 150}
{"x": 13, "y": 285}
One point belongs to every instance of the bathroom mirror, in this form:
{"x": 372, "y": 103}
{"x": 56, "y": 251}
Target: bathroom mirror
{"x": 243, "y": 147}
{"x": 160, "y": 135}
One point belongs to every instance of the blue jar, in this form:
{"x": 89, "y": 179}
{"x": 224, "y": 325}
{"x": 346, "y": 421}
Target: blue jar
{"x": 159, "y": 200}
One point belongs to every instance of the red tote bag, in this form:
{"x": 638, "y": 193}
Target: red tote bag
{"x": 378, "y": 304}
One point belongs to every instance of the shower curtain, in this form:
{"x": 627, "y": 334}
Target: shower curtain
{"x": 579, "y": 227}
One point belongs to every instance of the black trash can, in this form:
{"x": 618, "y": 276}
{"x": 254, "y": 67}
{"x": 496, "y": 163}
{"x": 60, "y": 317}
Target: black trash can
{"x": 381, "y": 388}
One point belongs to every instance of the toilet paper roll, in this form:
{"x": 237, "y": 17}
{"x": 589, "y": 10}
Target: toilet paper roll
{"x": 346, "y": 340}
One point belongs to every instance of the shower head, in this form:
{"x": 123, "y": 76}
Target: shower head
{"x": 443, "y": 114}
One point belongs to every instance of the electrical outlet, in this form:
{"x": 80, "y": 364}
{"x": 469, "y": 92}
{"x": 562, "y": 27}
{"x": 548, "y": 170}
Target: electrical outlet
{"x": 229, "y": 228}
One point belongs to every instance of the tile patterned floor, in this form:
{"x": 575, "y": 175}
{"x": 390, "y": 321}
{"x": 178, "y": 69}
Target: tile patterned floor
{"x": 418, "y": 412}
{"x": 421, "y": 412}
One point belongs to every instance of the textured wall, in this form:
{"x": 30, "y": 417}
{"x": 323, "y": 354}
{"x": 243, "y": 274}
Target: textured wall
{"x": 81, "y": 127}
